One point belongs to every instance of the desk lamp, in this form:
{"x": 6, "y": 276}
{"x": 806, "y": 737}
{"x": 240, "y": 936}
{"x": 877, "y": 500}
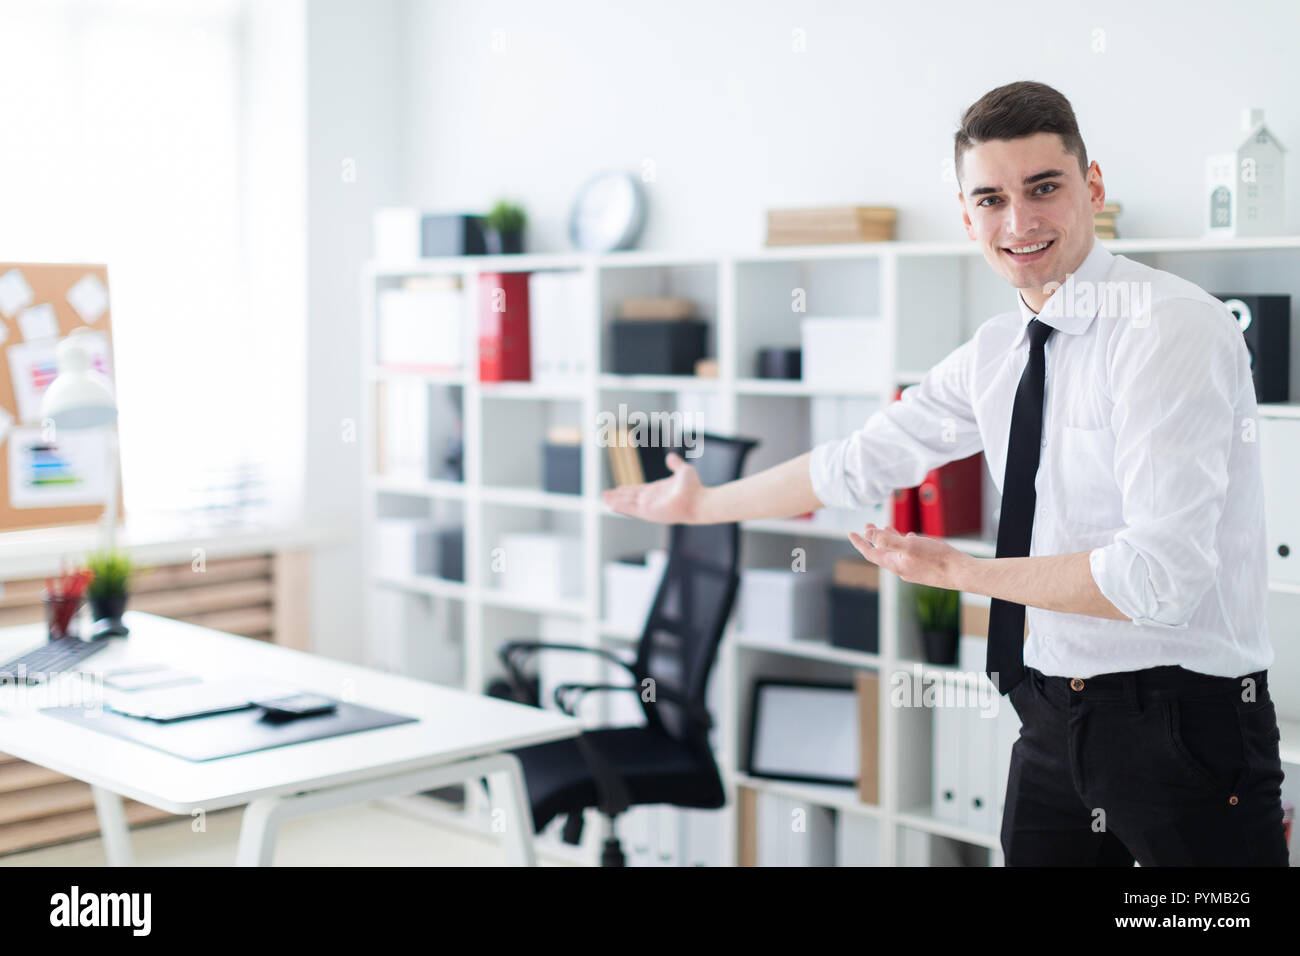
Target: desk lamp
{"x": 82, "y": 398}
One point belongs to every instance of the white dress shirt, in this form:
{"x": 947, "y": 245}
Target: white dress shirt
{"x": 1150, "y": 462}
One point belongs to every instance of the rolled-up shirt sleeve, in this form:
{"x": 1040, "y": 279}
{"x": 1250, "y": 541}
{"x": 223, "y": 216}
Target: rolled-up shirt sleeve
{"x": 1174, "y": 384}
{"x": 933, "y": 423}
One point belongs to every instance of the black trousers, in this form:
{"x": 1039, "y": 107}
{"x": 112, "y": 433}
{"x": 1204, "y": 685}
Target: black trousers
{"x": 1164, "y": 766}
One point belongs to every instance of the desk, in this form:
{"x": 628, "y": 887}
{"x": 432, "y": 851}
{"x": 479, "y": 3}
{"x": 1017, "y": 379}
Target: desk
{"x": 459, "y": 737}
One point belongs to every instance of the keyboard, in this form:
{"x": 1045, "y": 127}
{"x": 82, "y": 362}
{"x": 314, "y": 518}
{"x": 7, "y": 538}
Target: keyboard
{"x": 49, "y": 659}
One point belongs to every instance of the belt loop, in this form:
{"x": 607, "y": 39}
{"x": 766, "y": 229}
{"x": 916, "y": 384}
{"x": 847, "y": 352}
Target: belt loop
{"x": 1130, "y": 679}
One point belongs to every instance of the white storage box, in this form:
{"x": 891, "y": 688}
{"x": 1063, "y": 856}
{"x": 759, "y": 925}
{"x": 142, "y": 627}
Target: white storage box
{"x": 630, "y": 590}
{"x": 848, "y": 353}
{"x": 397, "y": 234}
{"x": 422, "y": 326}
{"x": 405, "y": 546}
{"x": 541, "y": 565}
{"x": 783, "y": 605}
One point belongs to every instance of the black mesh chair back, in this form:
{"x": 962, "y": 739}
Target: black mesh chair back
{"x": 691, "y": 607}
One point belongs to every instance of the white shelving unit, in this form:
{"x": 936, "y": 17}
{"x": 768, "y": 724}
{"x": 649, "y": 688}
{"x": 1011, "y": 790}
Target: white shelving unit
{"x": 933, "y": 296}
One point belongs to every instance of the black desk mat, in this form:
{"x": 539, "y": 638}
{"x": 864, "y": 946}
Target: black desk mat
{"x": 228, "y": 734}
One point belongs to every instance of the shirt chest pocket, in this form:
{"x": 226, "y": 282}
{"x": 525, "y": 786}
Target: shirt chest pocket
{"x": 1089, "y": 494}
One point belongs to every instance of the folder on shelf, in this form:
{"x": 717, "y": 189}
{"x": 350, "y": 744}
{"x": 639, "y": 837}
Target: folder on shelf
{"x": 951, "y": 498}
{"x": 504, "y": 351}
{"x": 867, "y": 686}
{"x": 978, "y": 785}
{"x": 906, "y": 505}
{"x": 946, "y": 772}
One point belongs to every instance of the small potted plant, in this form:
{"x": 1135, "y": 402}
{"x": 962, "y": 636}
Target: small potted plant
{"x": 504, "y": 231}
{"x": 938, "y": 611}
{"x": 109, "y": 591}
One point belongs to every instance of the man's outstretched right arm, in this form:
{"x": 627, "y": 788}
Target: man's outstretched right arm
{"x": 782, "y": 491}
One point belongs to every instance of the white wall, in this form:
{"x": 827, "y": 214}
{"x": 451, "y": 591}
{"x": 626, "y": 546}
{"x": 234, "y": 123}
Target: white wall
{"x": 735, "y": 122}
{"x": 354, "y": 114}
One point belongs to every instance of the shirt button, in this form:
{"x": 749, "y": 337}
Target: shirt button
{"x": 1233, "y": 800}
{"x": 1076, "y": 684}
{"x": 1044, "y": 442}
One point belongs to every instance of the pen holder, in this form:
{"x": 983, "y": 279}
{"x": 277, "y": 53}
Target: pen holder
{"x": 60, "y": 613}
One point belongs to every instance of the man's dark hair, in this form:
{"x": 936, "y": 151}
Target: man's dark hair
{"x": 1016, "y": 110}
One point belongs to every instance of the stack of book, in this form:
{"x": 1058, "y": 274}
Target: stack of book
{"x": 796, "y": 227}
{"x": 631, "y": 464}
{"x": 656, "y": 308}
{"x": 625, "y": 462}
{"x": 1104, "y": 221}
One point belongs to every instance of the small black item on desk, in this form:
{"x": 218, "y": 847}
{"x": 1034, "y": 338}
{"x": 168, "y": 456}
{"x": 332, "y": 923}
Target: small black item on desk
{"x": 298, "y": 705}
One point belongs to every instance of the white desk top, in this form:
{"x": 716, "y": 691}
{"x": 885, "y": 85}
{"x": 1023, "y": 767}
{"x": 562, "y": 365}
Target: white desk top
{"x": 453, "y": 724}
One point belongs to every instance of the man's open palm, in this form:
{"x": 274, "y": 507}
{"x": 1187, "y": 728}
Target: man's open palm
{"x": 671, "y": 500}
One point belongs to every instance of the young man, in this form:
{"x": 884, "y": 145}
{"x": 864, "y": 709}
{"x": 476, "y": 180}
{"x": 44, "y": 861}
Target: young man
{"x": 1115, "y": 407}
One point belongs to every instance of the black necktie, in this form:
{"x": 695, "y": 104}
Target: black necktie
{"x": 1006, "y": 651}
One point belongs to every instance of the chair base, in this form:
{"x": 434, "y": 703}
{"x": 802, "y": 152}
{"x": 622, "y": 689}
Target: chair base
{"x": 612, "y": 855}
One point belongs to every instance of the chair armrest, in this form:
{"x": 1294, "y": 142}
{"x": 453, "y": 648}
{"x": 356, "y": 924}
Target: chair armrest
{"x": 510, "y": 650}
{"x": 569, "y": 696}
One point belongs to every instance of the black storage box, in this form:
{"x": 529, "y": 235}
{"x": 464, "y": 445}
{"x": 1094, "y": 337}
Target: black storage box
{"x": 451, "y": 553}
{"x": 1265, "y": 322}
{"x": 780, "y": 363}
{"x": 855, "y": 619}
{"x": 451, "y": 235}
{"x": 652, "y": 347}
{"x": 562, "y": 468}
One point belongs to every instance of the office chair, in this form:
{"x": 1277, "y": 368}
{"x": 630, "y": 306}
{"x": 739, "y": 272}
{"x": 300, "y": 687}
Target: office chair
{"x": 668, "y": 760}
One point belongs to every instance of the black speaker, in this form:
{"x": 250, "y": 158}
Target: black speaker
{"x": 1265, "y": 322}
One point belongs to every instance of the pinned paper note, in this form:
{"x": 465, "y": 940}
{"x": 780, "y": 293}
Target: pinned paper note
{"x": 70, "y": 471}
{"x": 15, "y": 293}
{"x": 89, "y": 297}
{"x": 34, "y": 365}
{"x": 6, "y": 423}
{"x": 39, "y": 322}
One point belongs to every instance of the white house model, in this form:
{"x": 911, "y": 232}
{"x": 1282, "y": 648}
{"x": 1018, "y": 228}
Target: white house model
{"x": 1244, "y": 190}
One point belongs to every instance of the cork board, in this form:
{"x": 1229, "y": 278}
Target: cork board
{"x": 49, "y": 477}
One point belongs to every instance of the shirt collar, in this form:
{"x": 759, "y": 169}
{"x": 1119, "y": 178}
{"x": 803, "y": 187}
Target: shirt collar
{"x": 1066, "y": 310}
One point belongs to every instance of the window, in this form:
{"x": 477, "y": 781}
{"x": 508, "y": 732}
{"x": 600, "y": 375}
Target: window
{"x": 124, "y": 139}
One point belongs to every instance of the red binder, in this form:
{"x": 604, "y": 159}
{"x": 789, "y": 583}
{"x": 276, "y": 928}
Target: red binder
{"x": 503, "y": 345}
{"x": 907, "y": 511}
{"x": 950, "y": 498}
{"x": 907, "y": 514}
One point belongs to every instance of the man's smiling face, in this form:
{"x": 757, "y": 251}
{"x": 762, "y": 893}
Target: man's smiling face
{"x": 1023, "y": 194}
